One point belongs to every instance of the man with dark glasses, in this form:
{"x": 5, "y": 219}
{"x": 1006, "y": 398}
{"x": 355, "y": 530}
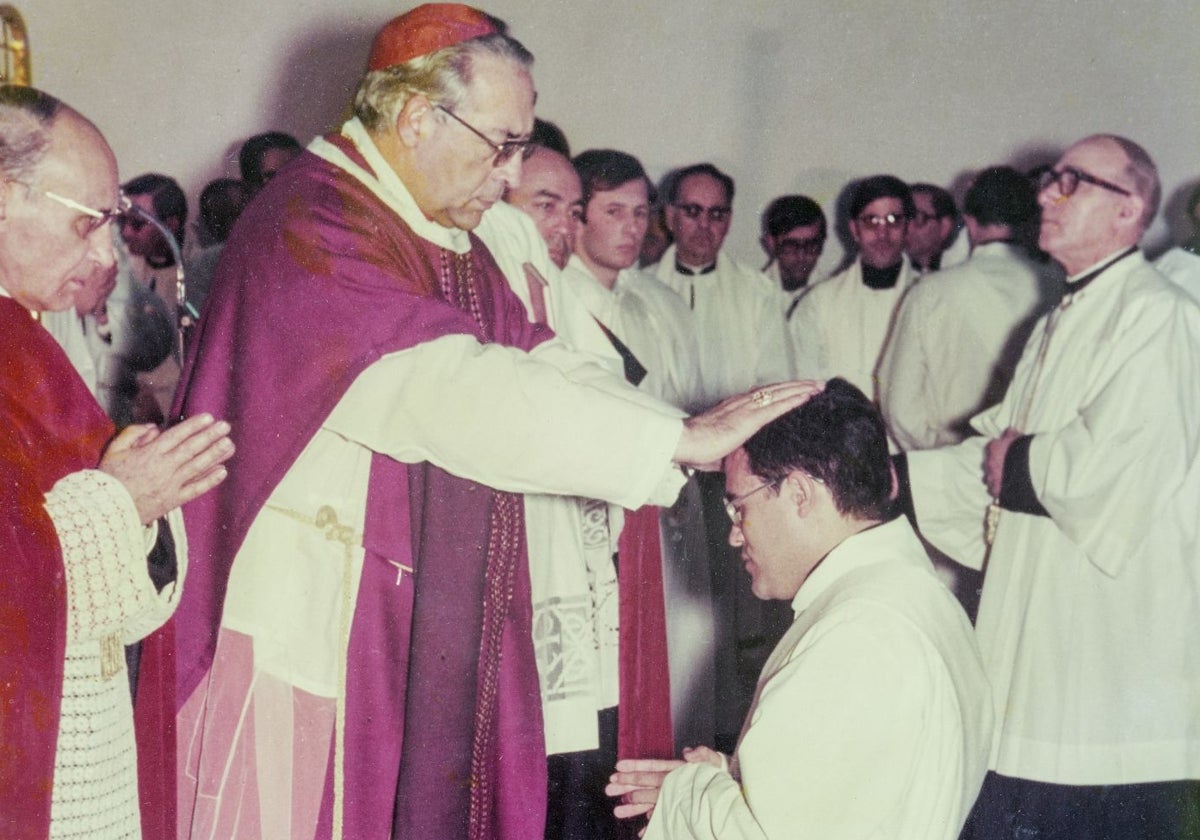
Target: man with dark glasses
{"x": 1088, "y": 619}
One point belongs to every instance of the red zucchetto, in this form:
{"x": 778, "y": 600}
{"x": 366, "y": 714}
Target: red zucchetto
{"x": 427, "y": 29}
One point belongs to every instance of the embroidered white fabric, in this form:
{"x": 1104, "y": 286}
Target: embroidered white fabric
{"x": 109, "y": 590}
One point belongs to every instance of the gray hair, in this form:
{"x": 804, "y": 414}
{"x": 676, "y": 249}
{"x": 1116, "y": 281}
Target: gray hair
{"x": 442, "y": 77}
{"x": 26, "y": 117}
{"x": 1141, "y": 170}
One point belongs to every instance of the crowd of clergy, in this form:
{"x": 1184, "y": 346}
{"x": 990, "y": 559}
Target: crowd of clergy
{"x": 412, "y": 488}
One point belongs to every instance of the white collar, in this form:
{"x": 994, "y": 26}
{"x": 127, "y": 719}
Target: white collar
{"x": 383, "y": 181}
{"x": 862, "y": 549}
{"x": 1102, "y": 263}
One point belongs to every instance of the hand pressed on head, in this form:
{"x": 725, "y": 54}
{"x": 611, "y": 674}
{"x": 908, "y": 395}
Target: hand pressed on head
{"x": 709, "y": 437}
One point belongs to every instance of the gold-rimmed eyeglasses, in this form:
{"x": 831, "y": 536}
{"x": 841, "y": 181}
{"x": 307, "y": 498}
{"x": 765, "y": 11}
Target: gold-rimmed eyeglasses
{"x": 95, "y": 219}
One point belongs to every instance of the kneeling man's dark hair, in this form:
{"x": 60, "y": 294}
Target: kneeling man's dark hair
{"x": 838, "y": 438}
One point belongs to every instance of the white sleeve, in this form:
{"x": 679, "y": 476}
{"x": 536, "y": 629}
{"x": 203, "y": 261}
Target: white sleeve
{"x": 951, "y": 500}
{"x": 840, "y": 721}
{"x": 104, "y": 547}
{"x": 541, "y": 422}
{"x": 775, "y": 362}
{"x": 700, "y": 802}
{"x": 904, "y": 397}
{"x": 1123, "y": 464}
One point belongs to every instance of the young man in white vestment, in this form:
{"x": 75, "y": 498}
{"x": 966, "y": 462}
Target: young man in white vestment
{"x": 840, "y": 327}
{"x": 932, "y": 230}
{"x": 872, "y": 717}
{"x": 1089, "y": 618}
{"x": 652, "y": 321}
{"x": 793, "y": 235}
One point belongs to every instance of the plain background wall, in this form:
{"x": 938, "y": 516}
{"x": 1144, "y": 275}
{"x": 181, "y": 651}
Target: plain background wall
{"x": 785, "y": 96}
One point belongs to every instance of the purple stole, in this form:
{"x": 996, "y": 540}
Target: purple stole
{"x": 319, "y": 280}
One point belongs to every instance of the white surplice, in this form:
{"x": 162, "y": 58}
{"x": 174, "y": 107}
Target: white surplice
{"x": 651, "y": 321}
{"x": 111, "y": 601}
{"x": 738, "y": 328}
{"x": 1089, "y": 620}
{"x": 957, "y": 339}
{"x": 840, "y": 327}
{"x": 571, "y": 541}
{"x": 871, "y": 720}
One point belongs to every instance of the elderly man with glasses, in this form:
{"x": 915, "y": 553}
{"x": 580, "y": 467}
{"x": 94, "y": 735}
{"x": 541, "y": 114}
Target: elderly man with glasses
{"x": 872, "y": 717}
{"x": 737, "y": 323}
{"x": 1089, "y": 618}
{"x": 80, "y": 503}
{"x": 841, "y": 327}
{"x": 356, "y": 658}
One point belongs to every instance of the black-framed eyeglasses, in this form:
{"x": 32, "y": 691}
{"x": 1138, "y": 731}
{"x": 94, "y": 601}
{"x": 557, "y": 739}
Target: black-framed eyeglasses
{"x": 716, "y": 215}
{"x": 95, "y": 219}
{"x": 733, "y": 503}
{"x": 1068, "y": 178}
{"x": 890, "y": 220}
{"x": 795, "y": 247}
{"x": 505, "y": 151}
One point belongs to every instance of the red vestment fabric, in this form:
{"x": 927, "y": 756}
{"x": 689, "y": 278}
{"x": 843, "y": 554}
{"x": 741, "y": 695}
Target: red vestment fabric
{"x": 644, "y": 721}
{"x": 318, "y": 281}
{"x": 50, "y": 426}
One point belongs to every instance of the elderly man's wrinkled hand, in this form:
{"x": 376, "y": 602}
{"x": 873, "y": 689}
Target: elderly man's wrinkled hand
{"x": 709, "y": 437}
{"x": 165, "y": 469}
{"x": 994, "y": 454}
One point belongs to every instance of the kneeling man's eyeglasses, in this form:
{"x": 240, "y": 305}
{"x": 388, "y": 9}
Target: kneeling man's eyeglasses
{"x": 733, "y": 504}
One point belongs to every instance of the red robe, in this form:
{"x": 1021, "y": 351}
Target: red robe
{"x": 50, "y": 426}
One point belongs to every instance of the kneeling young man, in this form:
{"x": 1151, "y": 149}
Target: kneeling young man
{"x": 872, "y": 718}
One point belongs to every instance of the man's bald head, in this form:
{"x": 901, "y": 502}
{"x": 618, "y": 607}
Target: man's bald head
{"x": 58, "y": 194}
{"x": 26, "y": 117}
{"x": 1141, "y": 172}
{"x": 1098, "y": 199}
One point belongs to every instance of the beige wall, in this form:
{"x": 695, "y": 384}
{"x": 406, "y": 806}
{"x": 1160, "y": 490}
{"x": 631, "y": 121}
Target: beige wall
{"x": 786, "y": 96}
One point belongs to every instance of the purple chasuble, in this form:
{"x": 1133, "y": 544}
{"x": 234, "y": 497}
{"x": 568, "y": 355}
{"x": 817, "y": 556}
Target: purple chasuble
{"x": 318, "y": 281}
